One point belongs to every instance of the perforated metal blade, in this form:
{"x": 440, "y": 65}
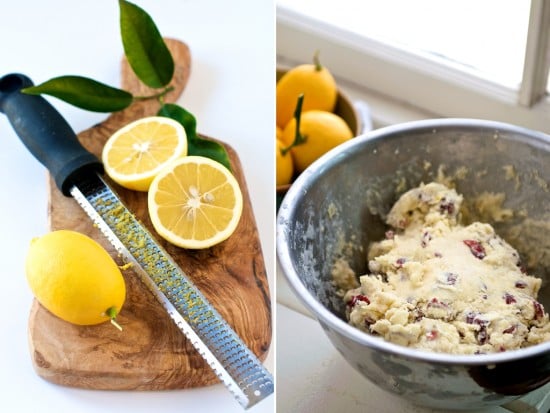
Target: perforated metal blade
{"x": 235, "y": 365}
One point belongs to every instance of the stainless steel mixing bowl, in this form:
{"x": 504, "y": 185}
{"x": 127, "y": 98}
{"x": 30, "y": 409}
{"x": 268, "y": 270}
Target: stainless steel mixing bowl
{"x": 336, "y": 208}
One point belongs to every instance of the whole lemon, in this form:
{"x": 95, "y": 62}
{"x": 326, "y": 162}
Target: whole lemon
{"x": 75, "y": 278}
{"x": 321, "y": 131}
{"x": 284, "y": 164}
{"x": 279, "y": 132}
{"x": 314, "y": 81}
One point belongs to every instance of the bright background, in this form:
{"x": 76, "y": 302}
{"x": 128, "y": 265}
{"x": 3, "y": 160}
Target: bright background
{"x": 487, "y": 36}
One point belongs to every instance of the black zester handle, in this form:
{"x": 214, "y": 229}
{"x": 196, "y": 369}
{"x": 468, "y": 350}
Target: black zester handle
{"x": 45, "y": 133}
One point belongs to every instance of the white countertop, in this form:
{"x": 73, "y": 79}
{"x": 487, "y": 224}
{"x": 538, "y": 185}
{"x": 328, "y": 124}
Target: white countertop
{"x": 231, "y": 94}
{"x": 312, "y": 376}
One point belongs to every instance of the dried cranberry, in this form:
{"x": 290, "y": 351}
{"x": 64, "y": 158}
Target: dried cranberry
{"x": 434, "y": 302}
{"x": 521, "y": 267}
{"x": 539, "y": 310}
{"x": 470, "y": 317}
{"x": 509, "y": 330}
{"x": 447, "y": 206}
{"x": 520, "y": 284}
{"x": 451, "y": 278}
{"x": 431, "y": 335}
{"x": 426, "y": 237}
{"x": 509, "y": 298}
{"x": 438, "y": 254}
{"x": 482, "y": 336}
{"x": 473, "y": 317}
{"x": 400, "y": 261}
{"x": 476, "y": 248}
{"x": 358, "y": 297}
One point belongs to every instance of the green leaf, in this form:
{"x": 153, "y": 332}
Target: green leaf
{"x": 144, "y": 47}
{"x": 195, "y": 144}
{"x": 84, "y": 93}
{"x": 209, "y": 149}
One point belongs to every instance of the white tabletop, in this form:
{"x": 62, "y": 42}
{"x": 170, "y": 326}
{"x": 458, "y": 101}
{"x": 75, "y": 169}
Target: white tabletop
{"x": 312, "y": 376}
{"x": 230, "y": 92}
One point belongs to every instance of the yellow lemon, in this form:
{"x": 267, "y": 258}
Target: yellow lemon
{"x": 284, "y": 164}
{"x": 321, "y": 130}
{"x": 314, "y": 81}
{"x": 195, "y": 202}
{"x": 278, "y": 132}
{"x": 75, "y": 278}
{"x": 136, "y": 153}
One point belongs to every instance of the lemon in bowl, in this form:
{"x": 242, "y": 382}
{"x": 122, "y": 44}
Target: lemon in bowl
{"x": 311, "y": 79}
{"x": 343, "y": 108}
{"x": 322, "y": 131}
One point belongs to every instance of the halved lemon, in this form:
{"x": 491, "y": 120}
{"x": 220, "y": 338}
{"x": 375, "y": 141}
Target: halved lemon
{"x": 137, "y": 152}
{"x": 195, "y": 203}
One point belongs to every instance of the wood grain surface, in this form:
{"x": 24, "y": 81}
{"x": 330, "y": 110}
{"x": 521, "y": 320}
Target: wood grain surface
{"x": 151, "y": 353}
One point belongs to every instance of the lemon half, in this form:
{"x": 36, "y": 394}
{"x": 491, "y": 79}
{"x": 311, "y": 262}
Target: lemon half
{"x": 136, "y": 153}
{"x": 195, "y": 203}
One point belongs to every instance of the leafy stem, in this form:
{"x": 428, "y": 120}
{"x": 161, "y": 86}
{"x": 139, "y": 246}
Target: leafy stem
{"x": 317, "y": 62}
{"x": 158, "y": 95}
{"x": 112, "y": 312}
{"x": 298, "y": 137}
{"x": 153, "y": 64}
{"x": 196, "y": 145}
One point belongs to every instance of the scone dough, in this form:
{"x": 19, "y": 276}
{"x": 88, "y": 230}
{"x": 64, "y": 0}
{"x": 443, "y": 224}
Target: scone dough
{"x": 437, "y": 285}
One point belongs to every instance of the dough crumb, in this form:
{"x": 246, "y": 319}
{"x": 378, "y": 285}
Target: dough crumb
{"x": 343, "y": 276}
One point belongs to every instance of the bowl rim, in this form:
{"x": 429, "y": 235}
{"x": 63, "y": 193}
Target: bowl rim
{"x": 325, "y": 316}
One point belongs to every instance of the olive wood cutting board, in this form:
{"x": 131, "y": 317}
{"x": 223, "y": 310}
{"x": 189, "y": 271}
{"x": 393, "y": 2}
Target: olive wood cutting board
{"x": 151, "y": 353}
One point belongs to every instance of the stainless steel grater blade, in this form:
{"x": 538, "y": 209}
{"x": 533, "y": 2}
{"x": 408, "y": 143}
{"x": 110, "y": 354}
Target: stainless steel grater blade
{"x": 235, "y": 365}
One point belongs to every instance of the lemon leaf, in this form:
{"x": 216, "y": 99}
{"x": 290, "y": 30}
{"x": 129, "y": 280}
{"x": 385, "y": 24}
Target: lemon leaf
{"x": 195, "y": 144}
{"x": 144, "y": 47}
{"x": 84, "y": 93}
